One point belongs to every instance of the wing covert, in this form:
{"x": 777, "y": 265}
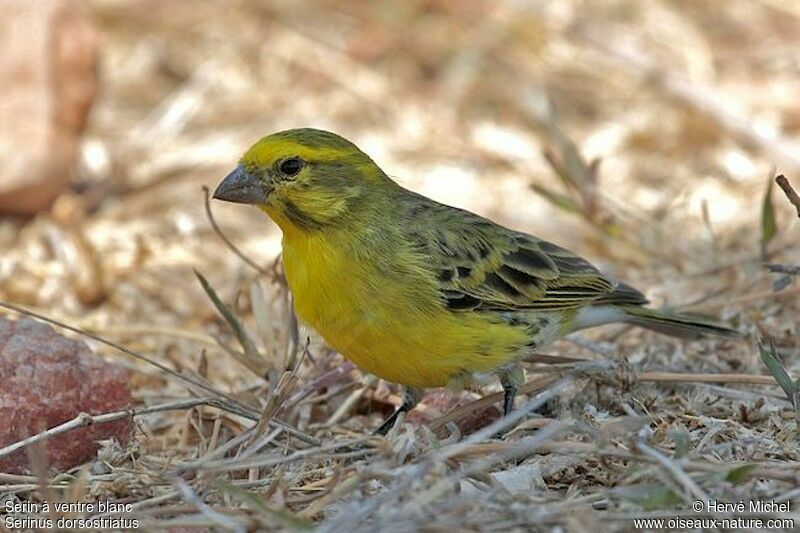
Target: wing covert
{"x": 480, "y": 265}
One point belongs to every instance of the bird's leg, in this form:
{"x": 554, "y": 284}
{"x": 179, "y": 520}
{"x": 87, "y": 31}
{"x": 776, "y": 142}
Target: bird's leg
{"x": 411, "y": 398}
{"x": 509, "y": 393}
{"x": 511, "y": 379}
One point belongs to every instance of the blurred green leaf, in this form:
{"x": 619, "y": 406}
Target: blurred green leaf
{"x": 559, "y": 200}
{"x": 768, "y": 225}
{"x": 566, "y": 159}
{"x": 654, "y": 497}
{"x": 569, "y": 166}
{"x": 257, "y": 505}
{"x": 739, "y": 474}
{"x": 781, "y": 283}
{"x": 683, "y": 442}
{"x": 775, "y": 366}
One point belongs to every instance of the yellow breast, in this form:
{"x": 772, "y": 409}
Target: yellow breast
{"x": 390, "y": 321}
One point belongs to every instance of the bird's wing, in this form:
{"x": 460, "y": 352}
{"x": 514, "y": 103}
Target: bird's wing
{"x": 481, "y": 265}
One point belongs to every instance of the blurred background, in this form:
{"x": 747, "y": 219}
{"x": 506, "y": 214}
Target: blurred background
{"x": 642, "y": 134}
{"x": 608, "y": 126}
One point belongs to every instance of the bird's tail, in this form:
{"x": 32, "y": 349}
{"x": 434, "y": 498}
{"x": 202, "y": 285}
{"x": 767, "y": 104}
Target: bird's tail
{"x": 677, "y": 325}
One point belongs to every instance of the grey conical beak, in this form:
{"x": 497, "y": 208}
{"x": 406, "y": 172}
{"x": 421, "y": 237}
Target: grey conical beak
{"x": 242, "y": 187}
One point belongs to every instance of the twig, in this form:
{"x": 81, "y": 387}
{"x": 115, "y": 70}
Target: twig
{"x": 407, "y": 475}
{"x": 786, "y": 471}
{"x": 778, "y": 400}
{"x": 520, "y": 449}
{"x": 262, "y": 461}
{"x": 152, "y": 329}
{"x": 227, "y": 522}
{"x": 323, "y": 381}
{"x": 507, "y": 421}
{"x": 673, "y": 468}
{"x": 552, "y": 359}
{"x": 790, "y": 193}
{"x": 680, "y": 377}
{"x": 86, "y": 419}
{"x": 741, "y": 261}
{"x": 792, "y": 270}
{"x": 461, "y": 412}
{"x": 346, "y": 405}
{"x": 342, "y": 488}
{"x": 83, "y": 419}
{"x": 746, "y": 299}
{"x": 219, "y": 451}
{"x": 16, "y": 478}
{"x": 252, "y": 264}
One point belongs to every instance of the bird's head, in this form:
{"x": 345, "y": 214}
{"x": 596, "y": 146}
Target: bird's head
{"x": 305, "y": 179}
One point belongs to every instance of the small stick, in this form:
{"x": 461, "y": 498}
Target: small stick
{"x": 792, "y": 270}
{"x": 264, "y": 460}
{"x": 790, "y": 193}
{"x": 680, "y": 377}
{"x": 746, "y": 299}
{"x": 677, "y": 472}
{"x": 342, "y": 488}
{"x": 553, "y": 359}
{"x": 459, "y": 413}
{"x": 252, "y": 264}
{"x": 523, "y": 448}
{"x": 227, "y": 522}
{"x": 85, "y": 419}
{"x": 326, "y": 380}
{"x": 675, "y": 377}
{"x": 346, "y": 405}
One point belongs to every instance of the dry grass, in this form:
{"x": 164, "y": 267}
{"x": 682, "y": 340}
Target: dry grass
{"x": 640, "y": 134}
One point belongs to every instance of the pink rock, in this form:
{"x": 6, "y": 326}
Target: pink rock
{"x": 47, "y": 379}
{"x": 47, "y": 71}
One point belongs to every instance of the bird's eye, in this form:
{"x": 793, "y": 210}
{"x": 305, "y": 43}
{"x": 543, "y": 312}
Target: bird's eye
{"x": 291, "y": 166}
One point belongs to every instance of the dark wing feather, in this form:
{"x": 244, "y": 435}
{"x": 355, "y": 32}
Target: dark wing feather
{"x": 481, "y": 265}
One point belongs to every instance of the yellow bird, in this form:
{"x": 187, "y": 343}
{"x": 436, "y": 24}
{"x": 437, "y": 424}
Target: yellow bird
{"x": 417, "y": 292}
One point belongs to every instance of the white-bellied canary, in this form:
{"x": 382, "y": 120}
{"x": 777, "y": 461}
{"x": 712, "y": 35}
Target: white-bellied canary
{"x": 414, "y": 291}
